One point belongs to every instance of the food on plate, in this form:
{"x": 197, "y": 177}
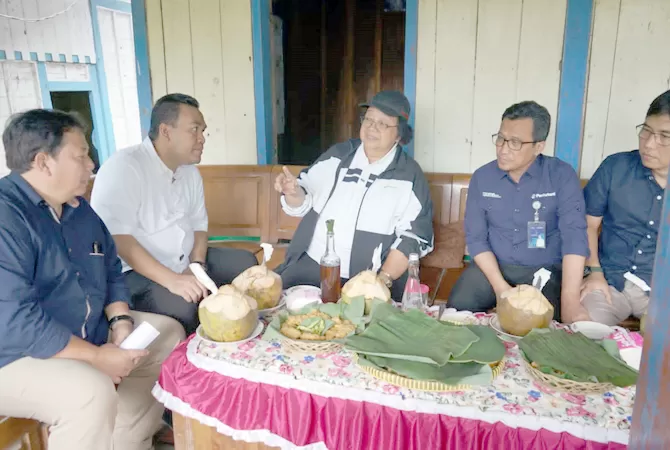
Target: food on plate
{"x": 262, "y": 284}
{"x": 367, "y": 285}
{"x": 228, "y": 315}
{"x": 316, "y": 326}
{"x": 523, "y": 308}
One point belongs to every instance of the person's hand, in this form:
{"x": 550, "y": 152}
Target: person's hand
{"x": 188, "y": 287}
{"x": 500, "y": 289}
{"x": 574, "y": 314}
{"x": 385, "y": 278}
{"x": 116, "y": 362}
{"x": 120, "y": 331}
{"x": 596, "y": 282}
{"x": 287, "y": 184}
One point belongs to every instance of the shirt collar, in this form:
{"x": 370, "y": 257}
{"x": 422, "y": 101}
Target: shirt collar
{"x": 157, "y": 161}
{"x": 361, "y": 160}
{"x": 25, "y": 187}
{"x": 534, "y": 170}
{"x": 35, "y": 198}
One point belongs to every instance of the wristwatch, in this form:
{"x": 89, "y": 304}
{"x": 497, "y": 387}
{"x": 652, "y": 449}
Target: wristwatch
{"x": 119, "y": 318}
{"x": 588, "y": 270}
{"x": 386, "y": 278}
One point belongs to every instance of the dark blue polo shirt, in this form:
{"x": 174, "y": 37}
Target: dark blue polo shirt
{"x": 626, "y": 195}
{"x": 51, "y": 287}
{"x": 498, "y": 211}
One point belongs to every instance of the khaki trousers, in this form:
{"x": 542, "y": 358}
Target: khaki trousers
{"x": 631, "y": 301}
{"x": 80, "y": 404}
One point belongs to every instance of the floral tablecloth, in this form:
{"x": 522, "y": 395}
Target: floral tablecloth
{"x": 513, "y": 399}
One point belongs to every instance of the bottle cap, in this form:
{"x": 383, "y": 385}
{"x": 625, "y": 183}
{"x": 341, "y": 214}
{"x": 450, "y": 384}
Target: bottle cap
{"x": 413, "y": 256}
{"x": 329, "y": 225}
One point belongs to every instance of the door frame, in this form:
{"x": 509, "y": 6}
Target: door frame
{"x": 262, "y": 65}
{"x": 100, "y": 135}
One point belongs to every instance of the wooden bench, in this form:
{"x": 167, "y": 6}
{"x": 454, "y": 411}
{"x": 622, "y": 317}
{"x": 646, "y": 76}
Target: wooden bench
{"x": 241, "y": 201}
{"x": 22, "y": 434}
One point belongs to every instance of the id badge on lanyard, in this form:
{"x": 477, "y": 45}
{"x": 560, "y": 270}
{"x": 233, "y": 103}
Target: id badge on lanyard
{"x": 537, "y": 229}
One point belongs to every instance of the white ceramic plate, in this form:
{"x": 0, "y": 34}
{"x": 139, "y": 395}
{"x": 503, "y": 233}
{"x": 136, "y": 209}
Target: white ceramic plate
{"x": 592, "y": 330}
{"x": 495, "y": 324}
{"x": 458, "y": 317}
{"x": 298, "y": 297}
{"x": 268, "y": 311}
{"x": 201, "y": 335}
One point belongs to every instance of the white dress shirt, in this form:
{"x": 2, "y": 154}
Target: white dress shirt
{"x": 135, "y": 193}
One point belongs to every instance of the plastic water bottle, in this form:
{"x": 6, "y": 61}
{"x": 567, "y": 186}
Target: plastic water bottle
{"x": 412, "y": 297}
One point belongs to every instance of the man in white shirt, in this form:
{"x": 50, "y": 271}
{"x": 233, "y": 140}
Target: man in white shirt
{"x": 151, "y": 198}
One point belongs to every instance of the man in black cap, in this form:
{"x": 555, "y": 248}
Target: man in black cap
{"x": 376, "y": 194}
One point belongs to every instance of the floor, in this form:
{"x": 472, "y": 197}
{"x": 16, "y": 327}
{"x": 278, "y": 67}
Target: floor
{"x": 164, "y": 447}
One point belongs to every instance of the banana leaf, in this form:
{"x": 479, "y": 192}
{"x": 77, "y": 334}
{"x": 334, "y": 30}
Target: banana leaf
{"x": 411, "y": 336}
{"x": 487, "y": 350}
{"x": 452, "y": 374}
{"x": 575, "y": 357}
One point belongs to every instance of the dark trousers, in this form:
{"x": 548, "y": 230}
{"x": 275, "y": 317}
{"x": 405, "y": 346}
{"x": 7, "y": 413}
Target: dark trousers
{"x": 473, "y": 292}
{"x": 223, "y": 264}
{"x": 306, "y": 271}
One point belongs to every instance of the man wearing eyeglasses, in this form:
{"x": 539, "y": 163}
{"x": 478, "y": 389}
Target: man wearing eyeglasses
{"x": 624, "y": 199}
{"x": 525, "y": 212}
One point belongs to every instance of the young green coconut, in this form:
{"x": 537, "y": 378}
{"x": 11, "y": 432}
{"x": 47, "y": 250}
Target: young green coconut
{"x": 523, "y": 308}
{"x": 227, "y": 315}
{"x": 367, "y": 285}
{"x": 261, "y": 283}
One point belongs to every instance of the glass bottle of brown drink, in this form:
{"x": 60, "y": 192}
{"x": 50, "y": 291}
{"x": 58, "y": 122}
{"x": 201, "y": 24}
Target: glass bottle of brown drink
{"x": 330, "y": 268}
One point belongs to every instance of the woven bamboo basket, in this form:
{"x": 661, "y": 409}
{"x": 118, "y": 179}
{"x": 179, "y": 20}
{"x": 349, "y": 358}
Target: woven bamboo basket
{"x": 310, "y": 347}
{"x": 567, "y": 386}
{"x": 423, "y": 385}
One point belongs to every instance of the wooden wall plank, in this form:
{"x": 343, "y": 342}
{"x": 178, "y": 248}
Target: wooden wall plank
{"x": 640, "y": 71}
{"x": 61, "y": 26}
{"x": 17, "y": 28}
{"x": 601, "y": 64}
{"x": 540, "y": 53}
{"x": 498, "y": 37}
{"x": 34, "y": 32}
{"x": 454, "y": 84}
{"x": 208, "y": 75}
{"x": 156, "y": 49}
{"x": 626, "y": 74}
{"x": 424, "y": 139}
{"x": 178, "y": 51}
{"x": 238, "y": 83}
{"x": 203, "y": 48}
{"x": 5, "y": 31}
{"x": 123, "y": 30}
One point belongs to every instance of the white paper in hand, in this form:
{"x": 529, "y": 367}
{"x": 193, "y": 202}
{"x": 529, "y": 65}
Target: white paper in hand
{"x": 140, "y": 338}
